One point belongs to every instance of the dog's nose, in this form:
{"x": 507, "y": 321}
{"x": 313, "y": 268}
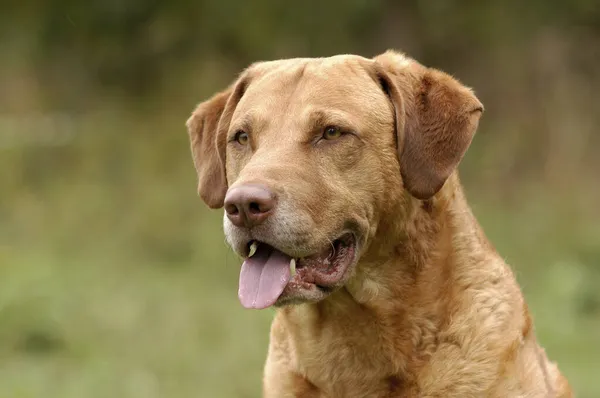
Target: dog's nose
{"x": 249, "y": 205}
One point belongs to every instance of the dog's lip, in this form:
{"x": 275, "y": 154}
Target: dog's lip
{"x": 346, "y": 238}
{"x": 328, "y": 267}
{"x": 322, "y": 269}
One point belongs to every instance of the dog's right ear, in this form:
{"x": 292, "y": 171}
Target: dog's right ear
{"x": 207, "y": 128}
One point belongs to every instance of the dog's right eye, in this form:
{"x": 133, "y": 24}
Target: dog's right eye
{"x": 241, "y": 137}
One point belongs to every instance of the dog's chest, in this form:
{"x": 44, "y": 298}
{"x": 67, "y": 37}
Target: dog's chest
{"x": 349, "y": 375}
{"x": 335, "y": 360}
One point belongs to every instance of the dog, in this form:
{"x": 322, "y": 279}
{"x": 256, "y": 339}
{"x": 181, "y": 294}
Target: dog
{"x": 338, "y": 179}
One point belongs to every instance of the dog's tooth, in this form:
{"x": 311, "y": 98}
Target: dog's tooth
{"x": 293, "y": 267}
{"x": 253, "y": 248}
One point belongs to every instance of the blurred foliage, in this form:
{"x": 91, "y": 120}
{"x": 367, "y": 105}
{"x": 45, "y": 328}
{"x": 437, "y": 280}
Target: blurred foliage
{"x": 115, "y": 279}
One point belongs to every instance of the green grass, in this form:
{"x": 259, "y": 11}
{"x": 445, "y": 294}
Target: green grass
{"x": 115, "y": 280}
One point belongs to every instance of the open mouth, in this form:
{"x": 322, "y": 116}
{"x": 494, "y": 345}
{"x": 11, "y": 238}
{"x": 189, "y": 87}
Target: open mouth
{"x": 268, "y": 273}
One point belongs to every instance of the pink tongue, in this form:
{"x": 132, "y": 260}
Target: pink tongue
{"x": 263, "y": 277}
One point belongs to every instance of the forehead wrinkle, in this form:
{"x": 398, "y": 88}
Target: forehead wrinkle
{"x": 270, "y": 99}
{"x": 318, "y": 118}
{"x": 277, "y": 86}
{"x": 252, "y": 121}
{"x": 287, "y": 74}
{"x": 291, "y": 81}
{"x": 335, "y": 97}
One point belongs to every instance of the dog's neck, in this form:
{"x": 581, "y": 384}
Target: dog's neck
{"x": 402, "y": 287}
{"x": 423, "y": 243}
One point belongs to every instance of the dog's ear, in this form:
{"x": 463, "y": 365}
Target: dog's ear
{"x": 207, "y": 129}
{"x": 436, "y": 118}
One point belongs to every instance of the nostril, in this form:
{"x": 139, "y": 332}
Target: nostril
{"x": 232, "y": 209}
{"x": 254, "y": 208}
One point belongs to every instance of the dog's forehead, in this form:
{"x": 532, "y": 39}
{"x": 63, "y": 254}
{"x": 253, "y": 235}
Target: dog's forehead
{"x": 342, "y": 81}
{"x": 317, "y": 66}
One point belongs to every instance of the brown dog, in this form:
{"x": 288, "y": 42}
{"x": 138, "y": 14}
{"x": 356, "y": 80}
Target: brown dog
{"x": 338, "y": 178}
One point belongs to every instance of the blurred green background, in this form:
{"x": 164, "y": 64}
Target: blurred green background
{"x": 115, "y": 280}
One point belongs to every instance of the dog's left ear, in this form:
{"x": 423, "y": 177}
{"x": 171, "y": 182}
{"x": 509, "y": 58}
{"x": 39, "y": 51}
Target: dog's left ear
{"x": 436, "y": 119}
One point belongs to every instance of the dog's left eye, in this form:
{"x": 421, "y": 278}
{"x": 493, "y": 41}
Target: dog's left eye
{"x": 332, "y": 133}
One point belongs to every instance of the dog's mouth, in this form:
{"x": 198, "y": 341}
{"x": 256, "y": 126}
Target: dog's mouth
{"x": 269, "y": 275}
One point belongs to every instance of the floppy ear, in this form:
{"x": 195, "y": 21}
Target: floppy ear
{"x": 207, "y": 128}
{"x": 436, "y": 119}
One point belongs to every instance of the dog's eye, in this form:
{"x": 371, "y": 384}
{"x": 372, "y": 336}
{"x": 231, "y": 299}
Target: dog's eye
{"x": 332, "y": 133}
{"x": 241, "y": 137}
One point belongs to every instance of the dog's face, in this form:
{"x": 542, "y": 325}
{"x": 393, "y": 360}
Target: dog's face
{"x": 308, "y": 155}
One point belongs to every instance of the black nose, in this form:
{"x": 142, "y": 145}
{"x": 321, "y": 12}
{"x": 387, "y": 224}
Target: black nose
{"x": 249, "y": 205}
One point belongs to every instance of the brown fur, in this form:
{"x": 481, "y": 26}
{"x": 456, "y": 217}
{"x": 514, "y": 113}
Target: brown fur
{"x": 430, "y": 309}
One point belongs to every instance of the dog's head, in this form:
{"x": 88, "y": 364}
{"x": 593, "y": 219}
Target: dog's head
{"x": 308, "y": 156}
